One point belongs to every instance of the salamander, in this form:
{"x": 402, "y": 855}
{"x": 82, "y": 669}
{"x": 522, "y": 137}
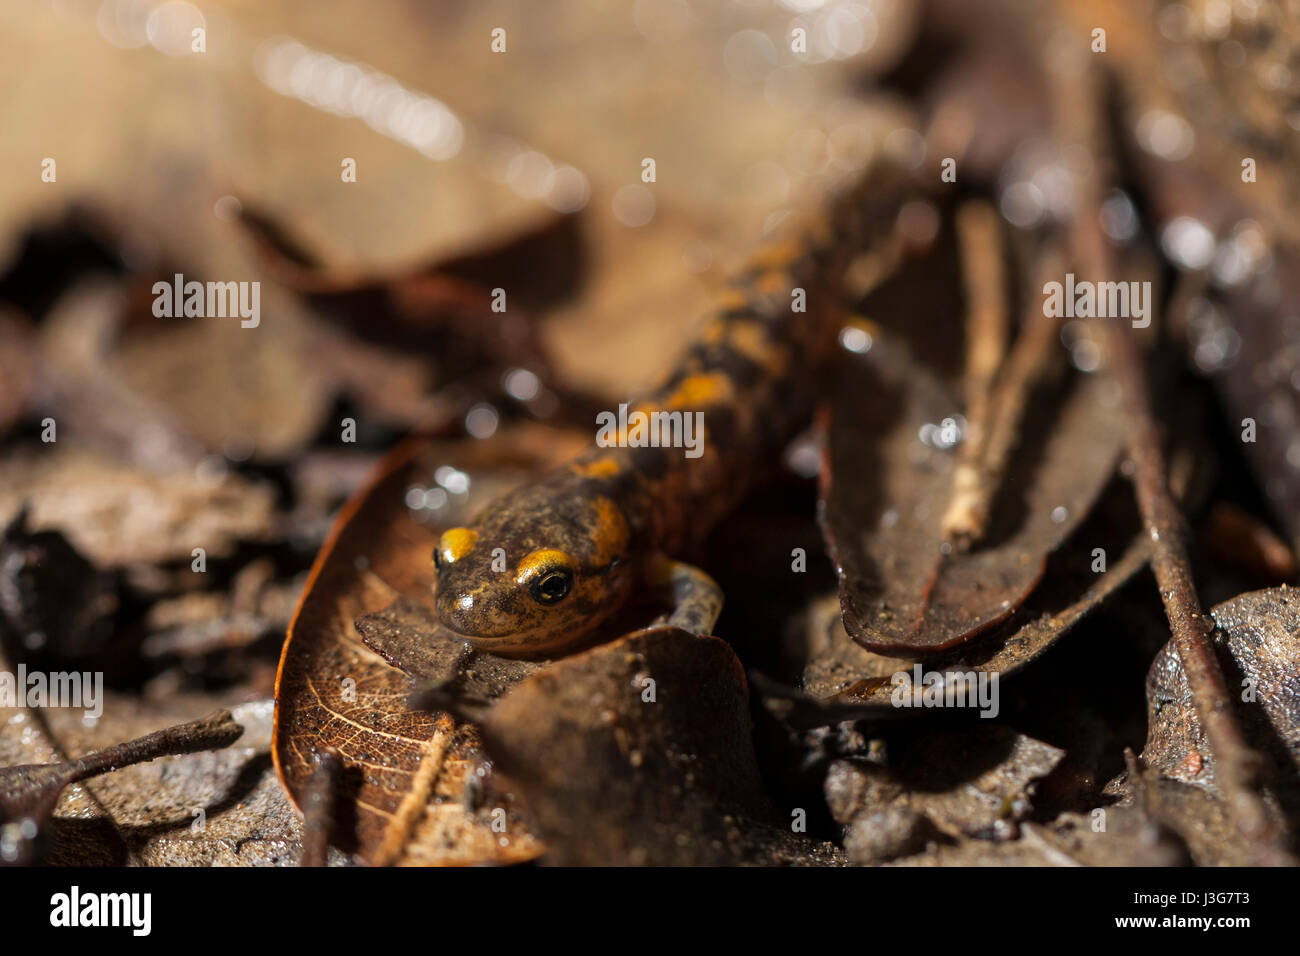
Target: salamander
{"x": 580, "y": 540}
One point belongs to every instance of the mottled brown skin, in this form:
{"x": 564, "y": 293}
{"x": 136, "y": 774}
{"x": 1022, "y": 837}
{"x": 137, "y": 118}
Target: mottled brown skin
{"x": 599, "y": 528}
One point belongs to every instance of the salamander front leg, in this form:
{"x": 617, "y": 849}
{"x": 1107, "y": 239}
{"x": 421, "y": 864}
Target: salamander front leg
{"x": 696, "y": 597}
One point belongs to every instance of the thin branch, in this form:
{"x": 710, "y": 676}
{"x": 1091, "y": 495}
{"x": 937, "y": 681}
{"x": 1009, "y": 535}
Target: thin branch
{"x": 1033, "y": 358}
{"x": 987, "y": 328}
{"x": 1237, "y": 766}
{"x": 319, "y": 807}
{"x": 33, "y": 790}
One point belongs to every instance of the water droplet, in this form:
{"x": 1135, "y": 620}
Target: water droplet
{"x": 855, "y": 339}
{"x": 633, "y": 205}
{"x": 521, "y": 384}
{"x": 1188, "y": 243}
{"x": 481, "y": 421}
{"x": 1119, "y": 218}
{"x": 1166, "y": 135}
{"x": 453, "y": 479}
{"x": 1086, "y": 356}
{"x": 1022, "y": 205}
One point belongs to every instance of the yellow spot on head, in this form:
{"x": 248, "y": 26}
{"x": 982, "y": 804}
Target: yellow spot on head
{"x": 455, "y": 543}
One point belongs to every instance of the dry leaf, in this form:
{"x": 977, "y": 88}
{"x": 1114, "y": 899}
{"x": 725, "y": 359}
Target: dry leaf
{"x": 420, "y": 786}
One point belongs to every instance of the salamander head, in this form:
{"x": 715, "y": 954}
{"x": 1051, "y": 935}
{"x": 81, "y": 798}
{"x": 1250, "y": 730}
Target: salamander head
{"x": 536, "y": 572}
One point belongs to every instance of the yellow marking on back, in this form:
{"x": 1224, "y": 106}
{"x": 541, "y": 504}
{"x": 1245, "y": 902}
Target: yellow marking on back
{"x": 775, "y": 282}
{"x": 611, "y": 533}
{"x": 733, "y": 300}
{"x": 600, "y": 468}
{"x": 714, "y": 332}
{"x": 706, "y": 389}
{"x": 455, "y": 543}
{"x": 753, "y": 342}
{"x": 777, "y": 255}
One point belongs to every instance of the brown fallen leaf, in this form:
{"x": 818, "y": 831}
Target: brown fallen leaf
{"x": 443, "y": 321}
{"x": 1258, "y": 637}
{"x": 84, "y": 390}
{"x": 118, "y": 515}
{"x": 182, "y": 365}
{"x": 841, "y": 680}
{"x": 417, "y": 787}
{"x": 639, "y": 752}
{"x": 849, "y": 680}
{"x": 890, "y": 470}
{"x": 975, "y": 783}
{"x": 141, "y": 386}
{"x": 538, "y": 265}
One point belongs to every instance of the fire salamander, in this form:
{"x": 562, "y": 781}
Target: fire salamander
{"x": 580, "y": 540}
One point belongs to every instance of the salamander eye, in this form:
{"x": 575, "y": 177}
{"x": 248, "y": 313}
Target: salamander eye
{"x": 548, "y": 575}
{"x": 551, "y": 587}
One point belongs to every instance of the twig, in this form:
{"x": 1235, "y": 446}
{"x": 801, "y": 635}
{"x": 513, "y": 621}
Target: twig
{"x": 319, "y": 807}
{"x": 414, "y": 805}
{"x": 1032, "y": 359}
{"x": 1237, "y": 766}
{"x": 987, "y": 322}
{"x": 980, "y": 473}
{"x": 33, "y": 790}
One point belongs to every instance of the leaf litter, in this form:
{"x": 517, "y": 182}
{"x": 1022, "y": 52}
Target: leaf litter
{"x": 692, "y": 770}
